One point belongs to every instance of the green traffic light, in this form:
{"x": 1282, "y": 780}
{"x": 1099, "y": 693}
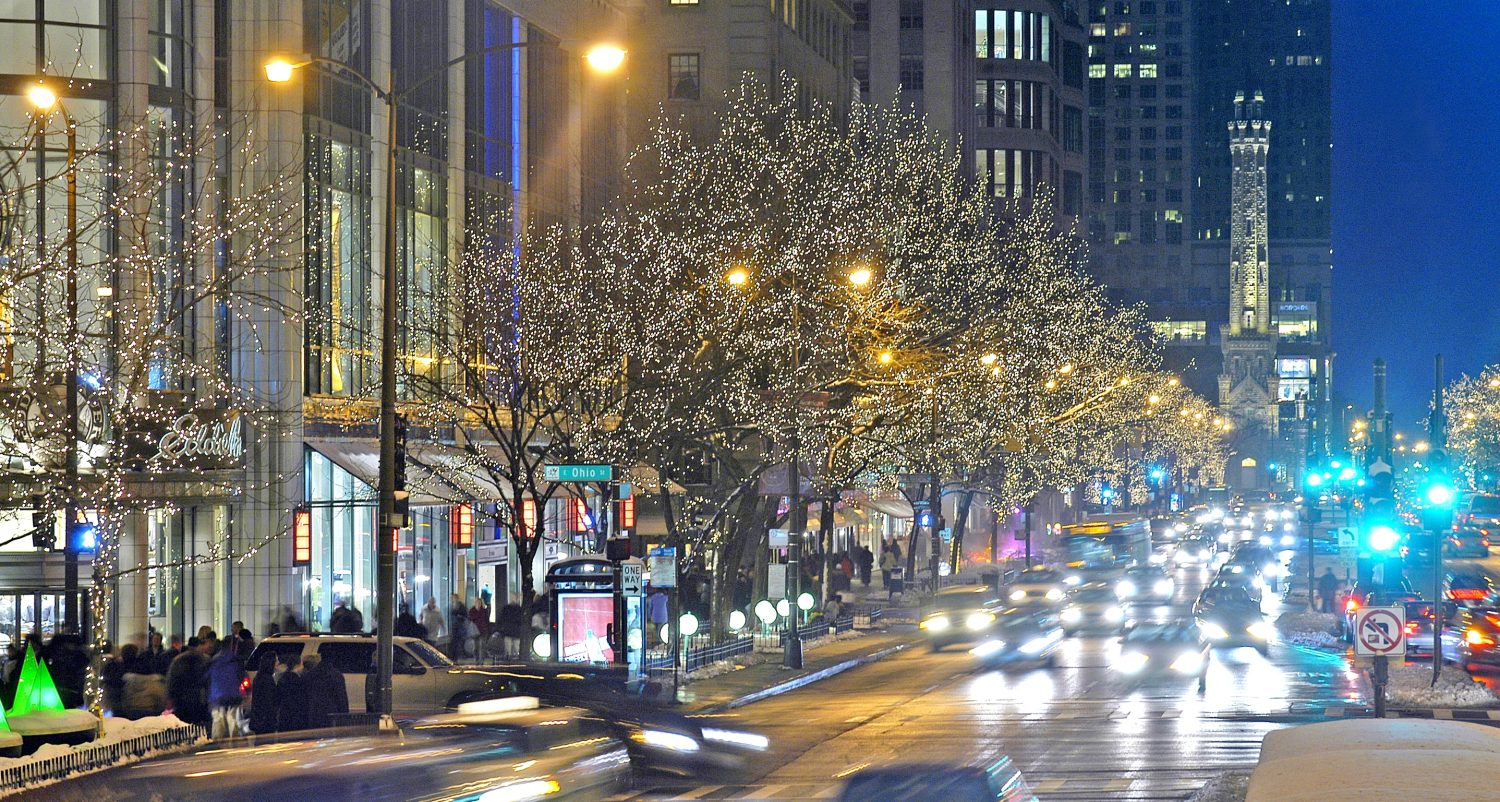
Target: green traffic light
{"x": 1314, "y": 480}
{"x": 1383, "y": 538}
{"x": 1439, "y": 494}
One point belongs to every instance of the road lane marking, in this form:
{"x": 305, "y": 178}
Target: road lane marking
{"x": 1048, "y": 786}
{"x": 1121, "y": 784}
{"x": 698, "y": 793}
{"x": 857, "y": 719}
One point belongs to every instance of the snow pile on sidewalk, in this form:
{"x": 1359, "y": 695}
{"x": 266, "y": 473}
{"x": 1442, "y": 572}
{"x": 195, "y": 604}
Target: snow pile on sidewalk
{"x": 1230, "y": 786}
{"x": 1309, "y": 629}
{"x": 1411, "y": 686}
{"x": 116, "y": 730}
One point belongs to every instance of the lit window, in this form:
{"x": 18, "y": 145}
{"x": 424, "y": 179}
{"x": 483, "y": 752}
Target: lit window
{"x": 1123, "y": 70}
{"x": 1172, "y": 215}
{"x": 1096, "y": 70}
{"x": 1148, "y": 70}
{"x": 682, "y": 76}
{"x": 1096, "y": 29}
{"x": 682, "y": 2}
{"x": 1122, "y": 29}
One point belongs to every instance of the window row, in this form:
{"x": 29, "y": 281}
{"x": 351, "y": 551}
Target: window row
{"x": 1000, "y": 103}
{"x": 1022, "y": 35}
{"x": 1014, "y": 173}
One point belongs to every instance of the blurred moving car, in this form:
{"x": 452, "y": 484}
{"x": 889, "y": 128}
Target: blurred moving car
{"x": 1467, "y": 543}
{"x": 1144, "y": 583}
{"x": 1170, "y": 649}
{"x": 1482, "y": 512}
{"x": 509, "y": 749}
{"x": 1227, "y": 616}
{"x": 1021, "y": 635}
{"x": 999, "y": 781}
{"x": 1094, "y": 607}
{"x": 1363, "y": 595}
{"x": 1037, "y": 585}
{"x": 663, "y": 741}
{"x": 1194, "y": 551}
{"x": 959, "y": 614}
{"x": 1419, "y": 621}
{"x": 1469, "y": 589}
{"x": 1471, "y": 636}
{"x": 1260, "y": 558}
{"x": 1241, "y": 577}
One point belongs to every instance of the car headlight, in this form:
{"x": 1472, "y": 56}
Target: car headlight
{"x": 1017, "y": 595}
{"x": 1156, "y": 558}
{"x": 1188, "y": 662}
{"x": 987, "y": 648}
{"x": 1072, "y": 579}
{"x": 1265, "y": 540}
{"x": 1163, "y": 587}
{"x": 937, "y": 623}
{"x": 1072, "y": 615}
{"x": 661, "y": 739}
{"x": 747, "y": 740}
{"x": 1054, "y": 594}
{"x": 1037, "y": 645}
{"x": 979, "y": 620}
{"x": 1260, "y": 630}
{"x": 1258, "y": 582}
{"x": 1288, "y": 540}
{"x": 1224, "y": 538}
{"x": 1125, "y": 589}
{"x": 1214, "y": 631}
{"x": 522, "y": 790}
{"x": 1114, "y": 615}
{"x": 1131, "y": 662}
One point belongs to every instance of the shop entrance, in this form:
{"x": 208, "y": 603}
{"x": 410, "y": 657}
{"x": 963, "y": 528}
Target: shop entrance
{"x": 23, "y": 612}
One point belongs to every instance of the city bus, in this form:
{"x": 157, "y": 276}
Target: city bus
{"x": 1105, "y": 544}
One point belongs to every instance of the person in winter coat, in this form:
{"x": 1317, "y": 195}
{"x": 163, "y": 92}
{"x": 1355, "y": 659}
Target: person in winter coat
{"x": 432, "y": 618}
{"x": 226, "y": 690}
{"x": 291, "y": 694}
{"x": 888, "y": 562}
{"x": 327, "y": 695}
{"x": 865, "y": 560}
{"x": 407, "y": 626}
{"x": 187, "y": 691}
{"x": 263, "y": 696}
{"x": 513, "y": 627}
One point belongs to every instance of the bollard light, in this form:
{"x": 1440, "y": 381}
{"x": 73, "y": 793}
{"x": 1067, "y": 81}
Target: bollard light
{"x": 688, "y": 625}
{"x": 805, "y": 602}
{"x": 736, "y": 620}
{"x": 666, "y": 633}
{"x": 783, "y": 608}
{"x": 542, "y": 645}
{"x": 765, "y": 611}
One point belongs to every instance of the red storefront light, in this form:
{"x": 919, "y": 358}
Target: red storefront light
{"x": 461, "y": 526}
{"x": 301, "y": 536}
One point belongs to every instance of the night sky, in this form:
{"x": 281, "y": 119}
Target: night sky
{"x": 1416, "y": 175}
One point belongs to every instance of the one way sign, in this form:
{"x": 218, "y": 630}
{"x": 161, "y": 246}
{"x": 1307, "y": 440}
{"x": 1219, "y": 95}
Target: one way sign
{"x": 1380, "y": 631}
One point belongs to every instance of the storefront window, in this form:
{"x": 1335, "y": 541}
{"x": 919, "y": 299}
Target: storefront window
{"x": 343, "y": 516}
{"x": 164, "y": 581}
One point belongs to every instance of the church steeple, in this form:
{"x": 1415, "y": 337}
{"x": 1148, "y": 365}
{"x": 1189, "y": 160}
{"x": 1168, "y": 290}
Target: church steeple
{"x": 1249, "y": 272}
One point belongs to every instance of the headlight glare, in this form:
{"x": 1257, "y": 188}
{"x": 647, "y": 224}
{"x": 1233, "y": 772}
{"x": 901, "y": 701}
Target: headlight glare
{"x": 1114, "y": 615}
{"x": 1125, "y": 589}
{"x": 1214, "y": 631}
{"x": 1054, "y": 594}
{"x": 1188, "y": 662}
{"x": 1017, "y": 595}
{"x": 1072, "y": 615}
{"x": 1131, "y": 662}
{"x": 979, "y": 620}
{"x": 1260, "y": 630}
{"x": 1163, "y": 587}
{"x": 748, "y": 740}
{"x": 937, "y": 623}
{"x": 661, "y": 739}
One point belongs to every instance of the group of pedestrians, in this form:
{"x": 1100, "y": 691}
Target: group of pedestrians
{"x": 291, "y": 693}
{"x": 475, "y": 631}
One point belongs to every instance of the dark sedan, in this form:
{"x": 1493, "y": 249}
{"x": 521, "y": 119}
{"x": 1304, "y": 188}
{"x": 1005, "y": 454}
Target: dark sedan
{"x": 1021, "y": 636}
{"x": 1165, "y": 650}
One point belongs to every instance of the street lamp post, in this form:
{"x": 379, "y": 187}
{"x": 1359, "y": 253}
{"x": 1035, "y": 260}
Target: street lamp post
{"x": 602, "y": 58}
{"x": 44, "y": 100}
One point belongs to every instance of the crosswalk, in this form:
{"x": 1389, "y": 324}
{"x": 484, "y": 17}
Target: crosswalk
{"x": 1170, "y": 786}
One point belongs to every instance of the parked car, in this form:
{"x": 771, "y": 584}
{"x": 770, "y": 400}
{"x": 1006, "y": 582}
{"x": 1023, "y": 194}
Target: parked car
{"x": 1165, "y": 650}
{"x": 959, "y": 614}
{"x": 997, "y": 781}
{"x": 424, "y": 680}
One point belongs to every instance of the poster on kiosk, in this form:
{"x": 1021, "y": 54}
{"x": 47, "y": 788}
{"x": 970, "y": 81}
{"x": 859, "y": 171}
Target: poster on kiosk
{"x": 583, "y": 610}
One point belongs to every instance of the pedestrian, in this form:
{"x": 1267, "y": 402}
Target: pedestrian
{"x": 346, "y": 620}
{"x": 512, "y": 625}
{"x": 865, "y": 561}
{"x": 833, "y": 608}
{"x": 888, "y": 563}
{"x": 407, "y": 626}
{"x": 263, "y": 696}
{"x": 656, "y": 607}
{"x": 67, "y": 657}
{"x": 152, "y": 655}
{"x": 1328, "y": 586}
{"x": 327, "y": 695}
{"x": 432, "y": 619}
{"x": 164, "y": 660}
{"x": 291, "y": 695}
{"x": 479, "y": 616}
{"x": 226, "y": 690}
{"x": 187, "y": 688}
{"x": 458, "y": 620}
{"x": 246, "y": 640}
{"x": 112, "y": 675}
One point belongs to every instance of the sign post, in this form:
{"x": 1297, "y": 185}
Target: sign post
{"x": 1380, "y": 632}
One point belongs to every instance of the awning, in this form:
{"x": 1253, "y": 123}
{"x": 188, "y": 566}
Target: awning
{"x": 431, "y": 479}
{"x": 896, "y": 507}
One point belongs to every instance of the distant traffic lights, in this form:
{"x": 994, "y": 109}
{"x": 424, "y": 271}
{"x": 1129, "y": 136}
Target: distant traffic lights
{"x": 1439, "y": 493}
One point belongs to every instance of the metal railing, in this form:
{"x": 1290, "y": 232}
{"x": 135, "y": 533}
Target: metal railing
{"x": 701, "y": 651}
{"x": 97, "y": 757}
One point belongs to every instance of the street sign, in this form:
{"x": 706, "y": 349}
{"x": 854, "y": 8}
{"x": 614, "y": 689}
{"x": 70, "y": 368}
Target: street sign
{"x": 578, "y": 473}
{"x": 1380, "y": 631}
{"x": 662, "y": 564}
{"x": 1348, "y": 551}
{"x": 776, "y": 581}
{"x": 632, "y": 575}
{"x": 778, "y": 538}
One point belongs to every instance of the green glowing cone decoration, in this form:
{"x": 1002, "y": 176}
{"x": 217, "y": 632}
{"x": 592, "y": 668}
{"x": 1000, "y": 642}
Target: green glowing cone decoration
{"x": 35, "y": 690}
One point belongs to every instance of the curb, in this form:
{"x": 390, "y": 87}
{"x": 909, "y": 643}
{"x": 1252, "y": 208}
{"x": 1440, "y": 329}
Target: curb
{"x": 807, "y": 679}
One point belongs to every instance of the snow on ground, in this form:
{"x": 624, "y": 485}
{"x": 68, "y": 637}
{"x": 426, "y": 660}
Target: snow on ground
{"x": 1309, "y": 629}
{"x": 1227, "y": 787}
{"x": 1411, "y": 686}
{"x": 762, "y": 655}
{"x": 115, "y": 730}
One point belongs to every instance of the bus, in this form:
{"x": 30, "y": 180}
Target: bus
{"x": 1105, "y": 544}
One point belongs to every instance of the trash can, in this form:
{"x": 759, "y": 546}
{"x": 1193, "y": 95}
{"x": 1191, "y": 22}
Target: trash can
{"x": 898, "y": 582}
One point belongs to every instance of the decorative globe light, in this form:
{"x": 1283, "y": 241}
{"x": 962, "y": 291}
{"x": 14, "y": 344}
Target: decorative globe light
{"x": 783, "y": 609}
{"x": 736, "y": 620}
{"x": 542, "y": 645}
{"x": 666, "y": 633}
{"x": 805, "y": 602}
{"x": 765, "y": 611}
{"x": 688, "y": 624}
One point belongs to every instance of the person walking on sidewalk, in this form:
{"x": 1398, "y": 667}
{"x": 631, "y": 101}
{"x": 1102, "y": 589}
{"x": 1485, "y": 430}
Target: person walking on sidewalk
{"x": 866, "y": 560}
{"x": 887, "y": 564}
{"x": 1328, "y": 587}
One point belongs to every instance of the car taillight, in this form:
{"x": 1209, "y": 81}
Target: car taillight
{"x": 244, "y": 686}
{"x": 1475, "y": 637}
{"x": 1411, "y": 627}
{"x": 1467, "y": 594}
{"x": 1351, "y": 605}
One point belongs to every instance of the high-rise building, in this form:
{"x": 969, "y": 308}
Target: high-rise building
{"x": 917, "y": 54}
{"x": 1163, "y": 76}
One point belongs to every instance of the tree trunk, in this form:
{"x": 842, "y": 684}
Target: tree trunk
{"x": 960, "y": 527}
{"x": 825, "y": 539}
{"x": 727, "y": 566}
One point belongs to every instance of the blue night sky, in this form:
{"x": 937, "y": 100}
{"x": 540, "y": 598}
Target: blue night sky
{"x": 1416, "y": 215}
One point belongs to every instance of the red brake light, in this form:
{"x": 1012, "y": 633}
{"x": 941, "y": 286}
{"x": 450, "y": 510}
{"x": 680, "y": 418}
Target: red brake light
{"x": 1467, "y": 594}
{"x": 1351, "y": 605}
{"x": 1475, "y": 637}
{"x": 1411, "y": 627}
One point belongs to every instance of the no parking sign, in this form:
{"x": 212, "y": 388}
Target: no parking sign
{"x": 1380, "y": 632}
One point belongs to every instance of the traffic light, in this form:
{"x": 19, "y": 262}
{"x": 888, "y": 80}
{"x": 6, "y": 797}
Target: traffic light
{"x": 1314, "y": 480}
{"x": 83, "y": 537}
{"x": 401, "y": 501}
{"x": 1438, "y": 493}
{"x": 1379, "y": 530}
{"x": 43, "y": 529}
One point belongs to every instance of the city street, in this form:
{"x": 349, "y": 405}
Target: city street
{"x": 1078, "y": 731}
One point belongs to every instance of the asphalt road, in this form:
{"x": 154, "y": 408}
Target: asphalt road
{"x": 1077, "y": 731}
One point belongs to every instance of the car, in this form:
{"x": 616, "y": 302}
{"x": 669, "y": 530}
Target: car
{"x": 1038, "y": 585}
{"x": 1260, "y": 560}
{"x": 1194, "y": 551}
{"x": 995, "y": 781}
{"x": 1482, "y": 512}
{"x": 1469, "y": 589}
{"x": 1416, "y": 551}
{"x": 1467, "y": 543}
{"x": 1143, "y": 583}
{"x": 1167, "y": 649}
{"x": 1363, "y": 595}
{"x": 1242, "y": 576}
{"x": 513, "y": 749}
{"x": 1226, "y": 624}
{"x": 1094, "y": 607}
{"x": 424, "y": 680}
{"x": 1471, "y": 638}
{"x": 1021, "y": 635}
{"x": 1419, "y": 621}
{"x": 664, "y": 741}
{"x": 959, "y": 614}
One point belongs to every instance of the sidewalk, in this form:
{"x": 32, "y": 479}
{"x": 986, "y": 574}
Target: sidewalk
{"x": 745, "y": 684}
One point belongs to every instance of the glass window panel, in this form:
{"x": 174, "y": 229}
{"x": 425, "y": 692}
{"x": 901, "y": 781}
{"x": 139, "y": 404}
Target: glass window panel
{"x": 18, "y": 48}
{"x": 76, "y": 52}
{"x": 982, "y": 34}
{"x": 86, "y": 12}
